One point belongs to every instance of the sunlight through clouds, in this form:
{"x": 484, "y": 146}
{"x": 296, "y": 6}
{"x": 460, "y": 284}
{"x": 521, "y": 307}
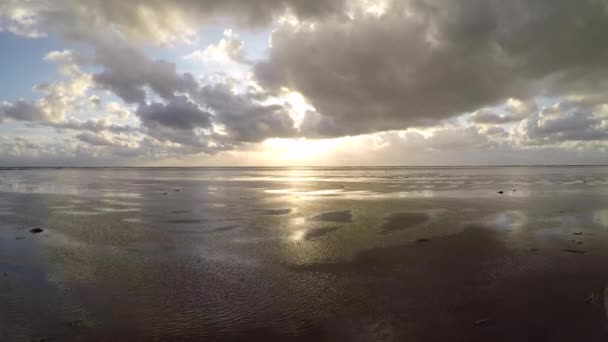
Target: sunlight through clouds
{"x": 342, "y": 81}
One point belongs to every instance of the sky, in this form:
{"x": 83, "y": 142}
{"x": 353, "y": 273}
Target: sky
{"x": 303, "y": 82}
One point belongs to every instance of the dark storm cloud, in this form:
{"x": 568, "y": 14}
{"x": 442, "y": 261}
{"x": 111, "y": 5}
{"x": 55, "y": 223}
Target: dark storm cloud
{"x": 490, "y": 117}
{"x": 563, "y": 124}
{"x": 131, "y": 15}
{"x": 94, "y": 139}
{"x": 127, "y": 72}
{"x": 179, "y": 113}
{"x": 94, "y": 126}
{"x": 425, "y": 60}
{"x": 177, "y": 121}
{"x": 244, "y": 117}
{"x": 158, "y": 21}
{"x": 21, "y": 111}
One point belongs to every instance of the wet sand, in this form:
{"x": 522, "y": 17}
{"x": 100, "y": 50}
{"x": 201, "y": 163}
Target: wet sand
{"x": 334, "y": 216}
{"x": 291, "y": 254}
{"x": 397, "y": 221}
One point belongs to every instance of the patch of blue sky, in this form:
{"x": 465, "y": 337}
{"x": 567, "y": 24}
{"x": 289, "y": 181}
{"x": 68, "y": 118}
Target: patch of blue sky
{"x": 22, "y": 65}
{"x": 256, "y": 44}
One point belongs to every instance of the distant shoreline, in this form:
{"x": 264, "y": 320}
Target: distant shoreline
{"x": 16, "y": 168}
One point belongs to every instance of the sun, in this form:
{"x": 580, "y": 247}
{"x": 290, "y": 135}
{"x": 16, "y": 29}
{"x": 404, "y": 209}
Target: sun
{"x": 299, "y": 149}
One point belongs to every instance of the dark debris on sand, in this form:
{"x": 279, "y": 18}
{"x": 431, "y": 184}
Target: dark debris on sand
{"x": 593, "y": 298}
{"x": 76, "y": 324}
{"x": 573, "y": 251}
{"x": 501, "y": 192}
{"x": 36, "y": 230}
{"x": 481, "y": 322}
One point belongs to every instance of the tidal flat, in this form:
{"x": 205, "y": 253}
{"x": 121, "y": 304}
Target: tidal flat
{"x": 304, "y": 254}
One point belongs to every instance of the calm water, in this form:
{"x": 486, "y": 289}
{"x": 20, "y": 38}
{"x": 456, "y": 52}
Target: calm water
{"x": 358, "y": 254}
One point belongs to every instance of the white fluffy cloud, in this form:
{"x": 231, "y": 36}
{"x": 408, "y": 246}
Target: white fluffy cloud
{"x": 59, "y": 98}
{"x": 229, "y": 49}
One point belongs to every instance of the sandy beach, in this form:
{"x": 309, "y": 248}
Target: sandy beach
{"x": 332, "y": 254}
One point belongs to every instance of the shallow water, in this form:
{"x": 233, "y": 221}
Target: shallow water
{"x": 304, "y": 253}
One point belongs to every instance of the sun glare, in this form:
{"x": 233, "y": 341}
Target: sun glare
{"x": 299, "y": 149}
{"x": 299, "y": 105}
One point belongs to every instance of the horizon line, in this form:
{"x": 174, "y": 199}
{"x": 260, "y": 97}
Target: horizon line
{"x": 294, "y": 166}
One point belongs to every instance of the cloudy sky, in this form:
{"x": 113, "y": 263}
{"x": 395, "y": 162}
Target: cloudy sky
{"x": 303, "y": 82}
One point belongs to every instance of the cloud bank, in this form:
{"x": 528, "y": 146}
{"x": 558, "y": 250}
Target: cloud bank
{"x": 477, "y": 75}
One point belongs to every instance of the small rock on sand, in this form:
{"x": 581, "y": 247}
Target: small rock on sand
{"x": 36, "y": 230}
{"x": 481, "y": 322}
{"x": 593, "y": 298}
{"x": 75, "y": 324}
{"x": 501, "y": 192}
{"x": 606, "y": 300}
{"x": 423, "y": 240}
